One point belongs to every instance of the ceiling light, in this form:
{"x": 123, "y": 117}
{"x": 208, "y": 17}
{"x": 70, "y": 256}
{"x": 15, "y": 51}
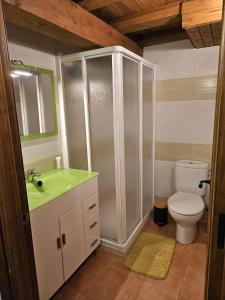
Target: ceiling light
{"x": 22, "y": 72}
{"x": 14, "y": 75}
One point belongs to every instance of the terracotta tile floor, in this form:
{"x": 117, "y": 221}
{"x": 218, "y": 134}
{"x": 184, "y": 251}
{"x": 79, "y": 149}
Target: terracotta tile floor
{"x": 104, "y": 277}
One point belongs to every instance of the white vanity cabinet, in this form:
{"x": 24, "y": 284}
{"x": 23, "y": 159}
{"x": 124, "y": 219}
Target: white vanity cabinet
{"x": 48, "y": 260}
{"x": 73, "y": 240}
{"x": 65, "y": 231}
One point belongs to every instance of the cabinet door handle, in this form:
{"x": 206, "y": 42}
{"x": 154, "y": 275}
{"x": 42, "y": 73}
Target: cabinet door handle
{"x": 58, "y": 242}
{"x": 93, "y": 225}
{"x": 92, "y": 206}
{"x": 94, "y": 242}
{"x": 64, "y": 239}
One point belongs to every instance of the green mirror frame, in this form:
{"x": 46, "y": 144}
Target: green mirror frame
{"x": 54, "y": 132}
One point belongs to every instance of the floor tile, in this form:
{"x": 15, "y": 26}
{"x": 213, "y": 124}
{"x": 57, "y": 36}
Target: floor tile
{"x": 83, "y": 277}
{"x": 193, "y": 284}
{"x": 115, "y": 282}
{"x": 103, "y": 256}
{"x": 168, "y": 230}
{"x": 201, "y": 236}
{"x": 145, "y": 291}
{"x": 194, "y": 279}
{"x": 198, "y": 254}
{"x": 181, "y": 254}
{"x": 66, "y": 293}
{"x": 104, "y": 277}
{"x": 82, "y": 297}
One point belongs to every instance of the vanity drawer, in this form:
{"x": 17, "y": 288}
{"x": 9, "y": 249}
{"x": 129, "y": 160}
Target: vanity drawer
{"x": 86, "y": 190}
{"x": 89, "y": 188}
{"x": 92, "y": 225}
{"x": 92, "y": 242}
{"x": 91, "y": 207}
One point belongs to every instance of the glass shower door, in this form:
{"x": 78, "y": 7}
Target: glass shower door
{"x": 74, "y": 114}
{"x": 101, "y": 110}
{"x": 147, "y": 139}
{"x": 131, "y": 143}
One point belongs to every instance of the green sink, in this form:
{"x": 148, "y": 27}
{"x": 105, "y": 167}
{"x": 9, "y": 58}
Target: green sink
{"x": 55, "y": 183}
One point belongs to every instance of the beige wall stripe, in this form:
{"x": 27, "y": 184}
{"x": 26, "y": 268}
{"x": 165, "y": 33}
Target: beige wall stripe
{"x": 176, "y": 151}
{"x": 194, "y": 88}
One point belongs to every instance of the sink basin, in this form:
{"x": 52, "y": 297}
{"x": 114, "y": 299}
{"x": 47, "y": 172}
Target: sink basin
{"x": 55, "y": 183}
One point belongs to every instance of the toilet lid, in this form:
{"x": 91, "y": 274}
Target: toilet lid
{"x": 186, "y": 203}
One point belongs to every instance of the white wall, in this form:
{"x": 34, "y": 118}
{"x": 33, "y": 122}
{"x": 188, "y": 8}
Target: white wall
{"x": 188, "y": 121}
{"x": 181, "y": 60}
{"x": 46, "y": 147}
{"x": 181, "y": 121}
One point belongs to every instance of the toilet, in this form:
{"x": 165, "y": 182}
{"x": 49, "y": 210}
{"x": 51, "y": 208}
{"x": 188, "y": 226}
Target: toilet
{"x": 186, "y": 206}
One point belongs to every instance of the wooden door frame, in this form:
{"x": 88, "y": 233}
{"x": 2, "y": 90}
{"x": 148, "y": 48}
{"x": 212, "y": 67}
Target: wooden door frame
{"x": 14, "y": 212}
{"x": 215, "y": 281}
{"x": 4, "y": 274}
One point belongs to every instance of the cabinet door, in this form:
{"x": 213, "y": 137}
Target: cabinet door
{"x": 72, "y": 232}
{"x": 48, "y": 260}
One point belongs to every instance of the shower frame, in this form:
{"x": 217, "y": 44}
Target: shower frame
{"x": 117, "y": 53}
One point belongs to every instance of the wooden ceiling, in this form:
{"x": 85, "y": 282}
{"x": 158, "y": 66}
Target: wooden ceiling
{"x": 60, "y": 26}
{"x": 140, "y": 19}
{"x": 113, "y": 9}
{"x": 202, "y": 21}
{"x": 79, "y": 25}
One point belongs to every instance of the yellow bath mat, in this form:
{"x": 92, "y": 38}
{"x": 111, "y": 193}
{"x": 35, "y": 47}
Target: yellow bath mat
{"x": 151, "y": 255}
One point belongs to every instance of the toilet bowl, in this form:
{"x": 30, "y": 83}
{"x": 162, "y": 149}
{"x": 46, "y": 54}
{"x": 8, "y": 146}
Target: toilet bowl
{"x": 186, "y": 209}
{"x": 186, "y": 205}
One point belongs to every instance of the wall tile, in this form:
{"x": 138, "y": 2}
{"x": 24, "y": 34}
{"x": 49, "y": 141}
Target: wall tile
{"x": 208, "y": 60}
{"x": 185, "y": 121}
{"x": 40, "y": 149}
{"x": 166, "y": 67}
{"x": 44, "y": 165}
{"x": 164, "y": 178}
{"x": 177, "y": 151}
{"x": 192, "y": 88}
{"x": 202, "y": 152}
{"x": 180, "y": 60}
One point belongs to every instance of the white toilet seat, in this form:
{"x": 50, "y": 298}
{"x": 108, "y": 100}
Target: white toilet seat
{"x": 186, "y": 204}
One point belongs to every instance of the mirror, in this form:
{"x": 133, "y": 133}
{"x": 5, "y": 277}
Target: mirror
{"x": 34, "y": 91}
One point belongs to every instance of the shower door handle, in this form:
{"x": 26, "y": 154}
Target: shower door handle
{"x": 221, "y": 231}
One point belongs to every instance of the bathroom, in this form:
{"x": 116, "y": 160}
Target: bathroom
{"x": 117, "y": 151}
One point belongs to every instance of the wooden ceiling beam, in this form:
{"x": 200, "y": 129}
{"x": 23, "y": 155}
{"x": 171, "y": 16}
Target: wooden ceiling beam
{"x": 162, "y": 37}
{"x": 195, "y": 37}
{"x": 156, "y": 17}
{"x": 95, "y": 4}
{"x": 201, "y": 19}
{"x": 201, "y": 12}
{"x": 67, "y": 22}
{"x": 216, "y": 32}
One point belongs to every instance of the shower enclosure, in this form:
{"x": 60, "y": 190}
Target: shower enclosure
{"x": 107, "y": 98}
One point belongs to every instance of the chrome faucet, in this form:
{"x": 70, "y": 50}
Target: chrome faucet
{"x": 31, "y": 173}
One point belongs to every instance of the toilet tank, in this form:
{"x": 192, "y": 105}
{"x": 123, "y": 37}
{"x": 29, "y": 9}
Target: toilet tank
{"x": 188, "y": 175}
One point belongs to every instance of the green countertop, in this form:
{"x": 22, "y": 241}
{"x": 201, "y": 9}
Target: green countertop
{"x": 55, "y": 183}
